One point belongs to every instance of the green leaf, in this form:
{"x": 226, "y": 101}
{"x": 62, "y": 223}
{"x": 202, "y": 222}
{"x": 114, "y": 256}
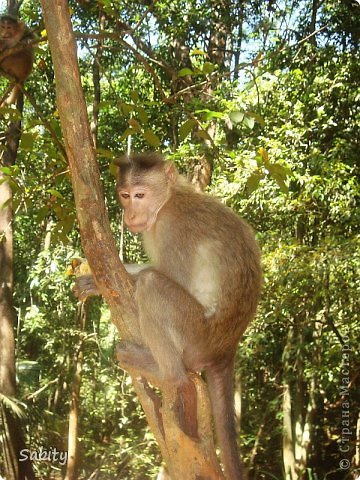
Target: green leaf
{"x": 114, "y": 169}
{"x": 68, "y": 223}
{"x": 134, "y": 95}
{"x": 196, "y": 51}
{"x": 277, "y": 169}
{"x": 42, "y": 213}
{"x": 5, "y": 204}
{"x": 56, "y": 194}
{"x": 11, "y": 113}
{"x": 186, "y": 128}
{"x": 185, "y": 71}
{"x": 204, "y": 134}
{"x": 209, "y": 114}
{"x": 208, "y": 67}
{"x": 253, "y": 181}
{"x": 236, "y": 116}
{"x": 126, "y": 108}
{"x": 249, "y": 121}
{"x": 280, "y": 181}
{"x": 143, "y": 116}
{"x": 151, "y": 138}
{"x": 6, "y": 170}
{"x": 102, "y": 152}
{"x": 105, "y": 104}
{"x": 134, "y": 124}
{"x": 258, "y": 118}
{"x": 27, "y": 141}
{"x": 263, "y": 157}
{"x": 128, "y": 131}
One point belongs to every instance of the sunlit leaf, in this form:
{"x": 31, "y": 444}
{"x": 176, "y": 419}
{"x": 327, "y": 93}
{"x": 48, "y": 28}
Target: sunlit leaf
{"x": 186, "y": 128}
{"x": 185, "y": 71}
{"x": 6, "y": 170}
{"x": 253, "y": 181}
{"x": 249, "y": 121}
{"x": 27, "y": 141}
{"x": 55, "y": 193}
{"x": 280, "y": 181}
{"x": 264, "y": 155}
{"x": 208, "y": 67}
{"x": 236, "y": 116}
{"x": 102, "y": 152}
{"x": 126, "y": 108}
{"x": 277, "y": 169}
{"x": 151, "y": 138}
{"x": 258, "y": 118}
{"x": 134, "y": 95}
{"x": 196, "y": 51}
{"x": 143, "y": 116}
{"x": 134, "y": 124}
{"x": 128, "y": 131}
{"x": 204, "y": 134}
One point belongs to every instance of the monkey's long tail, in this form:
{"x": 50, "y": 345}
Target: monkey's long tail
{"x": 220, "y": 384}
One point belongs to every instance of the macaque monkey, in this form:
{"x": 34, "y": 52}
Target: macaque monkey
{"x": 196, "y": 299}
{"x": 13, "y": 32}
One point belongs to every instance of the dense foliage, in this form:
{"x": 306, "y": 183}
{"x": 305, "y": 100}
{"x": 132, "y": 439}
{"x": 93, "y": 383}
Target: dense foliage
{"x": 259, "y": 102}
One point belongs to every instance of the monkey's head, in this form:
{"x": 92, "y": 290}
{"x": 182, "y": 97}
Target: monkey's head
{"x": 9, "y": 26}
{"x": 144, "y": 186}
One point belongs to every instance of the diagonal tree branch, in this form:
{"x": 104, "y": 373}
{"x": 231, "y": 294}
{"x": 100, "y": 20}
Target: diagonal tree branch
{"x": 187, "y": 458}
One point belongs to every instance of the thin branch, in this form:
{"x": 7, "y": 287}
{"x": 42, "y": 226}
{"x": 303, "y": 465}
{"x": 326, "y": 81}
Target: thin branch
{"x": 45, "y": 122}
{"x": 35, "y": 394}
{"x": 143, "y": 16}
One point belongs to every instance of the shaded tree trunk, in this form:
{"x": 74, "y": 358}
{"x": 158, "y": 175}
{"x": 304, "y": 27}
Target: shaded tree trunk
{"x": 288, "y": 439}
{"x": 11, "y": 427}
{"x": 74, "y": 413}
{"x": 186, "y": 458}
{"x": 314, "y": 11}
{"x": 96, "y": 82}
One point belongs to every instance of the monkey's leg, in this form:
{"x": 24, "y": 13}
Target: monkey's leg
{"x": 139, "y": 359}
{"x": 171, "y": 323}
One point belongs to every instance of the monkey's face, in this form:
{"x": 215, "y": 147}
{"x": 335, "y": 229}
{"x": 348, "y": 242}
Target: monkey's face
{"x": 7, "y": 29}
{"x": 141, "y": 205}
{"x": 143, "y": 192}
{"x": 142, "y": 197}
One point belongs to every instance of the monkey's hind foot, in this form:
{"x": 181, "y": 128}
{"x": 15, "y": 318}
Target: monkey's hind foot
{"x": 132, "y": 356}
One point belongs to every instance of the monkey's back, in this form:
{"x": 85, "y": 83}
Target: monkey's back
{"x": 209, "y": 250}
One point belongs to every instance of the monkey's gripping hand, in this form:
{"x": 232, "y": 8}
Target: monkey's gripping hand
{"x": 84, "y": 282}
{"x": 85, "y": 287}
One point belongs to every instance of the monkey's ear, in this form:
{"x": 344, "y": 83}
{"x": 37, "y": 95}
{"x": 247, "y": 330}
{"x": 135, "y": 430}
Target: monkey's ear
{"x": 171, "y": 172}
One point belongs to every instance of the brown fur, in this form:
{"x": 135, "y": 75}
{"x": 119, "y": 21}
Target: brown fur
{"x": 18, "y": 65}
{"x": 196, "y": 300}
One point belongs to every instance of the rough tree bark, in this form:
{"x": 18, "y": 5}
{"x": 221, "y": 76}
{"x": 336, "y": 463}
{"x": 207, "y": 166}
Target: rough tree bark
{"x": 74, "y": 411}
{"x": 186, "y": 458}
{"x": 13, "y": 440}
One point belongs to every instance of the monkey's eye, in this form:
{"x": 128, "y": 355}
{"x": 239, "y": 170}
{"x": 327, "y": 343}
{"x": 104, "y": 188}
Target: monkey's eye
{"x": 124, "y": 195}
{"x": 139, "y": 195}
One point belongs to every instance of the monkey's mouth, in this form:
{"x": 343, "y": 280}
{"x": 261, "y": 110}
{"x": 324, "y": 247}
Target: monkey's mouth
{"x": 137, "y": 228}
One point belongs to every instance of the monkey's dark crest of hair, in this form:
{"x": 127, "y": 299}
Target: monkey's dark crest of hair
{"x": 136, "y": 164}
{"x": 9, "y": 18}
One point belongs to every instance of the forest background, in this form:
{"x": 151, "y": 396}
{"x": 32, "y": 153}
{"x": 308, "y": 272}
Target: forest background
{"x": 257, "y": 102}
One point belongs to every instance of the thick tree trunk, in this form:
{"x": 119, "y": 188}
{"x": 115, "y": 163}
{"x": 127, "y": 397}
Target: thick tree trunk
{"x": 96, "y": 82}
{"x": 186, "y": 458}
{"x": 288, "y": 440}
{"x": 13, "y": 437}
{"x": 74, "y": 413}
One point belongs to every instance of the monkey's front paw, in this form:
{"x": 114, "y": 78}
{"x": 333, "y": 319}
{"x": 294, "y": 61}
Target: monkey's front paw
{"x": 123, "y": 352}
{"x": 85, "y": 287}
